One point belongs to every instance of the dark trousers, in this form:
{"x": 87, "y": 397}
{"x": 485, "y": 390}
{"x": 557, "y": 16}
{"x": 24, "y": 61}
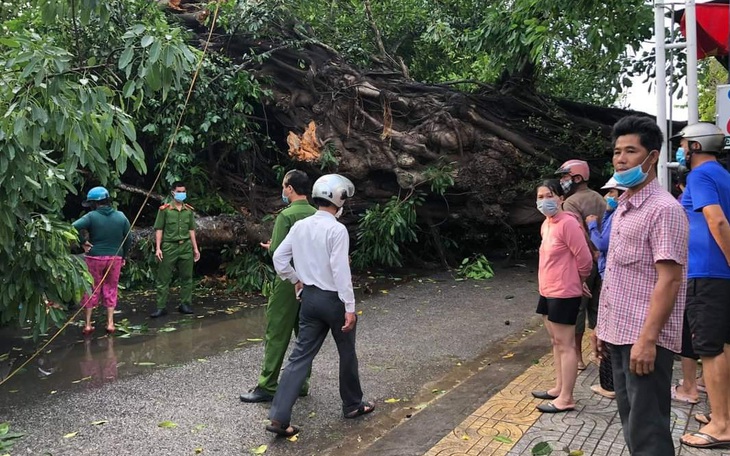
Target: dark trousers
{"x": 605, "y": 371}
{"x": 644, "y": 402}
{"x": 321, "y": 312}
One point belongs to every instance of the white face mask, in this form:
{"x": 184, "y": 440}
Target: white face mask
{"x": 339, "y": 212}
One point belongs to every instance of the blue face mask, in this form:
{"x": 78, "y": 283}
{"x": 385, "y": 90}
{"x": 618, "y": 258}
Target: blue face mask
{"x": 612, "y": 202}
{"x": 548, "y": 207}
{"x": 180, "y": 196}
{"x": 681, "y": 157}
{"x": 284, "y": 198}
{"x": 632, "y": 177}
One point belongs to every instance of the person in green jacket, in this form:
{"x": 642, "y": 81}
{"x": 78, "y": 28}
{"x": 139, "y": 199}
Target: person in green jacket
{"x": 106, "y": 248}
{"x": 176, "y": 248}
{"x": 282, "y": 311}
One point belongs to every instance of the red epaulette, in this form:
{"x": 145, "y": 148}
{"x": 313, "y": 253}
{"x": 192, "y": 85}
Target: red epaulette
{"x": 187, "y": 206}
{"x": 164, "y": 206}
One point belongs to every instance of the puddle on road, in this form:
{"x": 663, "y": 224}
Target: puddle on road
{"x": 74, "y": 363}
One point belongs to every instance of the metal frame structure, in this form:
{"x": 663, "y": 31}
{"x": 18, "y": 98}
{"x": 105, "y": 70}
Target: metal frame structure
{"x": 690, "y": 45}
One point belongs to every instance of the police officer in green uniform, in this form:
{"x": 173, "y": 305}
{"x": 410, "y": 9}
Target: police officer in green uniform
{"x": 282, "y": 311}
{"x": 176, "y": 247}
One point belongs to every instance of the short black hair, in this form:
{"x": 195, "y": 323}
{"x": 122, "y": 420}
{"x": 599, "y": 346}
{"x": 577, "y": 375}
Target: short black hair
{"x": 299, "y": 181}
{"x": 321, "y": 202}
{"x": 554, "y": 186}
{"x": 650, "y": 136}
{"x": 177, "y": 184}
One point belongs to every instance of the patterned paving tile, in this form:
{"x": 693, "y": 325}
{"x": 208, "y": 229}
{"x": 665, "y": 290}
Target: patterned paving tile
{"x": 509, "y": 425}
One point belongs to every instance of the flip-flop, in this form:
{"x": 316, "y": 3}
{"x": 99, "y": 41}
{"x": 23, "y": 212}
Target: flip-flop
{"x": 87, "y": 332}
{"x": 683, "y": 400}
{"x": 551, "y": 408}
{"x": 712, "y": 442}
{"x": 363, "y": 409}
{"x": 282, "y": 430}
{"x": 582, "y": 366}
{"x": 111, "y": 330}
{"x": 543, "y": 395}
{"x": 703, "y": 418}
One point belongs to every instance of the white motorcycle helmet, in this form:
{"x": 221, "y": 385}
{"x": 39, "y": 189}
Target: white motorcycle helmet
{"x": 333, "y": 188}
{"x": 708, "y": 135}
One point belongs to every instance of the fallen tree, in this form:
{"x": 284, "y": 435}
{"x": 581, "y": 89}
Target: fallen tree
{"x": 393, "y": 136}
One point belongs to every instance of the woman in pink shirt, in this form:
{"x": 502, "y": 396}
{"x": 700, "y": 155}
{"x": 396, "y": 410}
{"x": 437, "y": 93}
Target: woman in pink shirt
{"x": 565, "y": 263}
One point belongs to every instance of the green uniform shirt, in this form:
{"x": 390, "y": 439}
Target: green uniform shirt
{"x": 296, "y": 211}
{"x": 175, "y": 224}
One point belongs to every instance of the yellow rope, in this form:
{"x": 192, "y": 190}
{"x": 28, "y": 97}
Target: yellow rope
{"x": 147, "y": 197}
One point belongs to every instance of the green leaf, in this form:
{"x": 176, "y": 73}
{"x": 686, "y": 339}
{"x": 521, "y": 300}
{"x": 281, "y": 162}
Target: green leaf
{"x": 147, "y": 40}
{"x": 126, "y": 58}
{"x": 167, "y": 424}
{"x": 502, "y": 439}
{"x": 261, "y": 449}
{"x": 542, "y": 449}
{"x": 4, "y": 428}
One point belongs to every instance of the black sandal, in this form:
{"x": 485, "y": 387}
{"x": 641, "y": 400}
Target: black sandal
{"x": 363, "y": 409}
{"x": 282, "y": 430}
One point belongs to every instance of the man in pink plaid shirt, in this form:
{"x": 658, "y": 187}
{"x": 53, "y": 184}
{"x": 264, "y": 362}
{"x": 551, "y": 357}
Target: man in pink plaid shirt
{"x": 644, "y": 290}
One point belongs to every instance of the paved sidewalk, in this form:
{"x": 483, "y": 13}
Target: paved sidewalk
{"x": 509, "y": 424}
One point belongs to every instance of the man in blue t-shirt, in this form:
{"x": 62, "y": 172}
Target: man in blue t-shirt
{"x": 707, "y": 202}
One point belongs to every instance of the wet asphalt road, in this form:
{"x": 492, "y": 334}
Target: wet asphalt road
{"x": 414, "y": 343}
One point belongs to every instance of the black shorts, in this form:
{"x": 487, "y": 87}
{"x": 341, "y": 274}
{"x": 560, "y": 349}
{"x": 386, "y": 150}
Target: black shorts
{"x": 559, "y": 310}
{"x": 687, "y": 349}
{"x": 708, "y": 314}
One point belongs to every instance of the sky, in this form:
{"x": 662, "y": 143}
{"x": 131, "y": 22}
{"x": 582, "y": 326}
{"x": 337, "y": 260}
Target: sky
{"x": 641, "y": 97}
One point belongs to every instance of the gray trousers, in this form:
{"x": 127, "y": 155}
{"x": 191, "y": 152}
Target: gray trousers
{"x": 644, "y": 402}
{"x": 321, "y": 312}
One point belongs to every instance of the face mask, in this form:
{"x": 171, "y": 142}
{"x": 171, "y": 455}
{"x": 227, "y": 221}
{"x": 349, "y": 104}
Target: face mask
{"x": 566, "y": 185}
{"x": 339, "y": 212}
{"x": 681, "y": 157}
{"x": 181, "y": 196}
{"x": 612, "y": 202}
{"x": 284, "y": 198}
{"x": 548, "y": 207}
{"x": 632, "y": 177}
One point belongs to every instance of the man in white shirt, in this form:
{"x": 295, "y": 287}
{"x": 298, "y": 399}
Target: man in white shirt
{"x": 319, "y": 247}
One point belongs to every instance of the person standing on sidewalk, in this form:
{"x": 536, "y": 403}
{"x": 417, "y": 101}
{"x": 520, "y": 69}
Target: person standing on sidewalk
{"x": 565, "y": 263}
{"x": 583, "y": 202}
{"x": 643, "y": 295}
{"x": 106, "y": 248}
{"x": 706, "y": 200}
{"x": 319, "y": 247}
{"x": 600, "y": 238}
{"x": 282, "y": 311}
{"x": 175, "y": 248}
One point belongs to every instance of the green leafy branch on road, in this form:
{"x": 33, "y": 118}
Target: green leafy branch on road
{"x": 7, "y": 438}
{"x": 475, "y": 268}
{"x": 383, "y": 230}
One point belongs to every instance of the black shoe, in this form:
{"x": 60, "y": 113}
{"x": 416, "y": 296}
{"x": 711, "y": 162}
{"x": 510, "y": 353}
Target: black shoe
{"x": 185, "y": 309}
{"x": 158, "y": 313}
{"x": 257, "y": 395}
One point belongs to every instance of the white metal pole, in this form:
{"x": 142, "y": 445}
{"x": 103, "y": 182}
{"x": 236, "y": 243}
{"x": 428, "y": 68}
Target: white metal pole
{"x": 690, "y": 21}
{"x": 661, "y": 92}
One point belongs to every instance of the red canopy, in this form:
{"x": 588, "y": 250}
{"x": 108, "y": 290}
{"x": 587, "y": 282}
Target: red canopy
{"x": 712, "y": 29}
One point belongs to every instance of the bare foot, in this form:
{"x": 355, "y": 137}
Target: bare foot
{"x": 679, "y": 395}
{"x": 555, "y": 392}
